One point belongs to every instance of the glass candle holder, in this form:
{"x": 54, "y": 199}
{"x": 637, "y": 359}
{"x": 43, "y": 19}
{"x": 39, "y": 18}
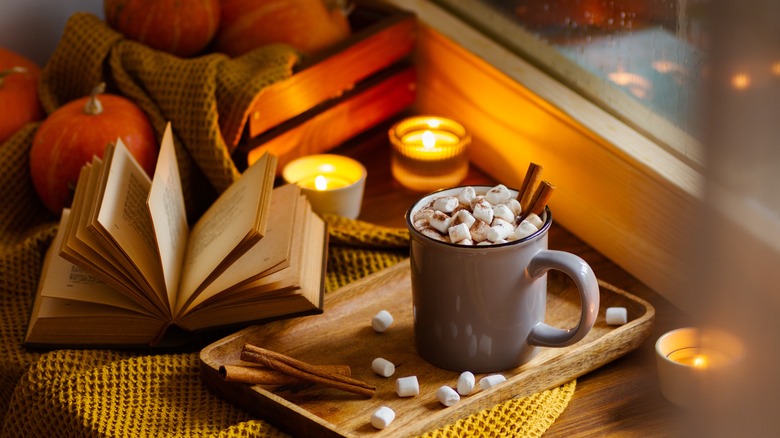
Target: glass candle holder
{"x": 429, "y": 152}
{"x": 333, "y": 184}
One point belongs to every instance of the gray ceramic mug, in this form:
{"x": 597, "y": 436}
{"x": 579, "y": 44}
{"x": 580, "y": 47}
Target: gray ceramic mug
{"x": 482, "y": 308}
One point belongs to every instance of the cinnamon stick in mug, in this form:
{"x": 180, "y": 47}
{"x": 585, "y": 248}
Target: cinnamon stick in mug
{"x": 532, "y": 177}
{"x": 540, "y": 199}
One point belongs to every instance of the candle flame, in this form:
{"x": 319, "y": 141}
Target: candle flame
{"x": 428, "y": 140}
{"x": 700, "y": 361}
{"x": 740, "y": 81}
{"x": 320, "y": 182}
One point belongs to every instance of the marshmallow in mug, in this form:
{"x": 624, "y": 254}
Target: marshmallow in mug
{"x": 471, "y": 219}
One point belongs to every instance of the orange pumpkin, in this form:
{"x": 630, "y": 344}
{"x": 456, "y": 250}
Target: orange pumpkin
{"x": 307, "y": 25}
{"x": 79, "y": 130}
{"x": 18, "y": 93}
{"x": 181, "y": 27}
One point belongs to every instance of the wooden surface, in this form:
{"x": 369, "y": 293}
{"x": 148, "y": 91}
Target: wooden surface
{"x": 343, "y": 335}
{"x": 621, "y": 398}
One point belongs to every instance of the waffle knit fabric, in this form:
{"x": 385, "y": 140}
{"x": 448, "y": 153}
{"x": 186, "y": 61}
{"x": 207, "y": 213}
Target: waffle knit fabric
{"x": 86, "y": 393}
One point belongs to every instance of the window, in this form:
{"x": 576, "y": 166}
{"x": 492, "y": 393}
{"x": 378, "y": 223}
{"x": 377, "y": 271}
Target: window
{"x": 639, "y": 60}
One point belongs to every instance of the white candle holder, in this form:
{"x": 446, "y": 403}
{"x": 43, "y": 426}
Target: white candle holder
{"x": 429, "y": 152}
{"x": 333, "y": 184}
{"x": 689, "y": 360}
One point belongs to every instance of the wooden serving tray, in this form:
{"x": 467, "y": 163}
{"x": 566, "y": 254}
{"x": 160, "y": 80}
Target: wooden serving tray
{"x": 343, "y": 335}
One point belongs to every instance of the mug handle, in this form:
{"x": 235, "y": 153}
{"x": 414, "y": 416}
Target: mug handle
{"x": 547, "y": 336}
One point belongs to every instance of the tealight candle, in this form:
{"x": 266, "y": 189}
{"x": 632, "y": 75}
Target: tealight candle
{"x": 688, "y": 359}
{"x": 698, "y": 357}
{"x": 333, "y": 183}
{"x": 429, "y": 152}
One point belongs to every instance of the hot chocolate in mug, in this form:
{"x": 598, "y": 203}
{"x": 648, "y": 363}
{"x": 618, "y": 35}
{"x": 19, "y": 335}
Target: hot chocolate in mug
{"x": 482, "y": 308}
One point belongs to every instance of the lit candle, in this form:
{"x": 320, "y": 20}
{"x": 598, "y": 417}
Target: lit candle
{"x": 324, "y": 182}
{"x": 698, "y": 358}
{"x": 429, "y": 152}
{"x": 333, "y": 183}
{"x": 689, "y": 360}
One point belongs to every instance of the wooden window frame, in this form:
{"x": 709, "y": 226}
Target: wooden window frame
{"x": 620, "y": 189}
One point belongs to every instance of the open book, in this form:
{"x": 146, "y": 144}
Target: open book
{"x": 125, "y": 266}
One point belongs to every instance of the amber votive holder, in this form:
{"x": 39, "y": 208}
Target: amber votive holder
{"x": 429, "y": 152}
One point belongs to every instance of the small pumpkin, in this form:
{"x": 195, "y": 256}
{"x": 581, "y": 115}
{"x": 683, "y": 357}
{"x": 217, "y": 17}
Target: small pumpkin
{"x": 180, "y": 27}
{"x": 79, "y": 130}
{"x": 19, "y": 103}
{"x": 307, "y": 25}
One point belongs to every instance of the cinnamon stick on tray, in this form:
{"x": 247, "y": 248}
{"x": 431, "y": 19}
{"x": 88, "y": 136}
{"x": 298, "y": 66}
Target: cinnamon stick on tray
{"x": 305, "y": 371}
{"x": 257, "y": 375}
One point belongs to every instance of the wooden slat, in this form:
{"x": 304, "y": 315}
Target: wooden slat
{"x": 371, "y": 49}
{"x": 365, "y": 106}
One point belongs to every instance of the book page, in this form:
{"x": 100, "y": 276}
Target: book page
{"x": 124, "y": 218}
{"x": 296, "y": 290}
{"x": 268, "y": 255}
{"x": 169, "y": 216}
{"x": 85, "y": 248}
{"x": 65, "y": 280}
{"x": 235, "y": 221}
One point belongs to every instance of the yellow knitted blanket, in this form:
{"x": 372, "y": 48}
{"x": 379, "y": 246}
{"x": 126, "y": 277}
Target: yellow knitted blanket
{"x": 89, "y": 393}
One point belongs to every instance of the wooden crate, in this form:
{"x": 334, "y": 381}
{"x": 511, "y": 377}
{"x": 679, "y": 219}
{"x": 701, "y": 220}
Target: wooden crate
{"x": 338, "y": 94}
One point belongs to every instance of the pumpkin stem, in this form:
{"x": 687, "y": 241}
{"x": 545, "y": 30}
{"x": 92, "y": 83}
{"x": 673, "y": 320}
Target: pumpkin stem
{"x": 345, "y": 6}
{"x": 93, "y": 106}
{"x": 10, "y": 71}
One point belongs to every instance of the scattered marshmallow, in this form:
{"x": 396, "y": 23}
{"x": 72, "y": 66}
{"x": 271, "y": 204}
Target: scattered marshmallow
{"x": 490, "y": 381}
{"x": 498, "y": 194}
{"x": 381, "y": 321}
{"x": 440, "y": 221}
{"x": 447, "y": 396}
{"x": 459, "y": 232}
{"x": 382, "y": 417}
{"x": 407, "y": 386}
{"x": 617, "y": 315}
{"x": 383, "y": 367}
{"x": 465, "y": 383}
